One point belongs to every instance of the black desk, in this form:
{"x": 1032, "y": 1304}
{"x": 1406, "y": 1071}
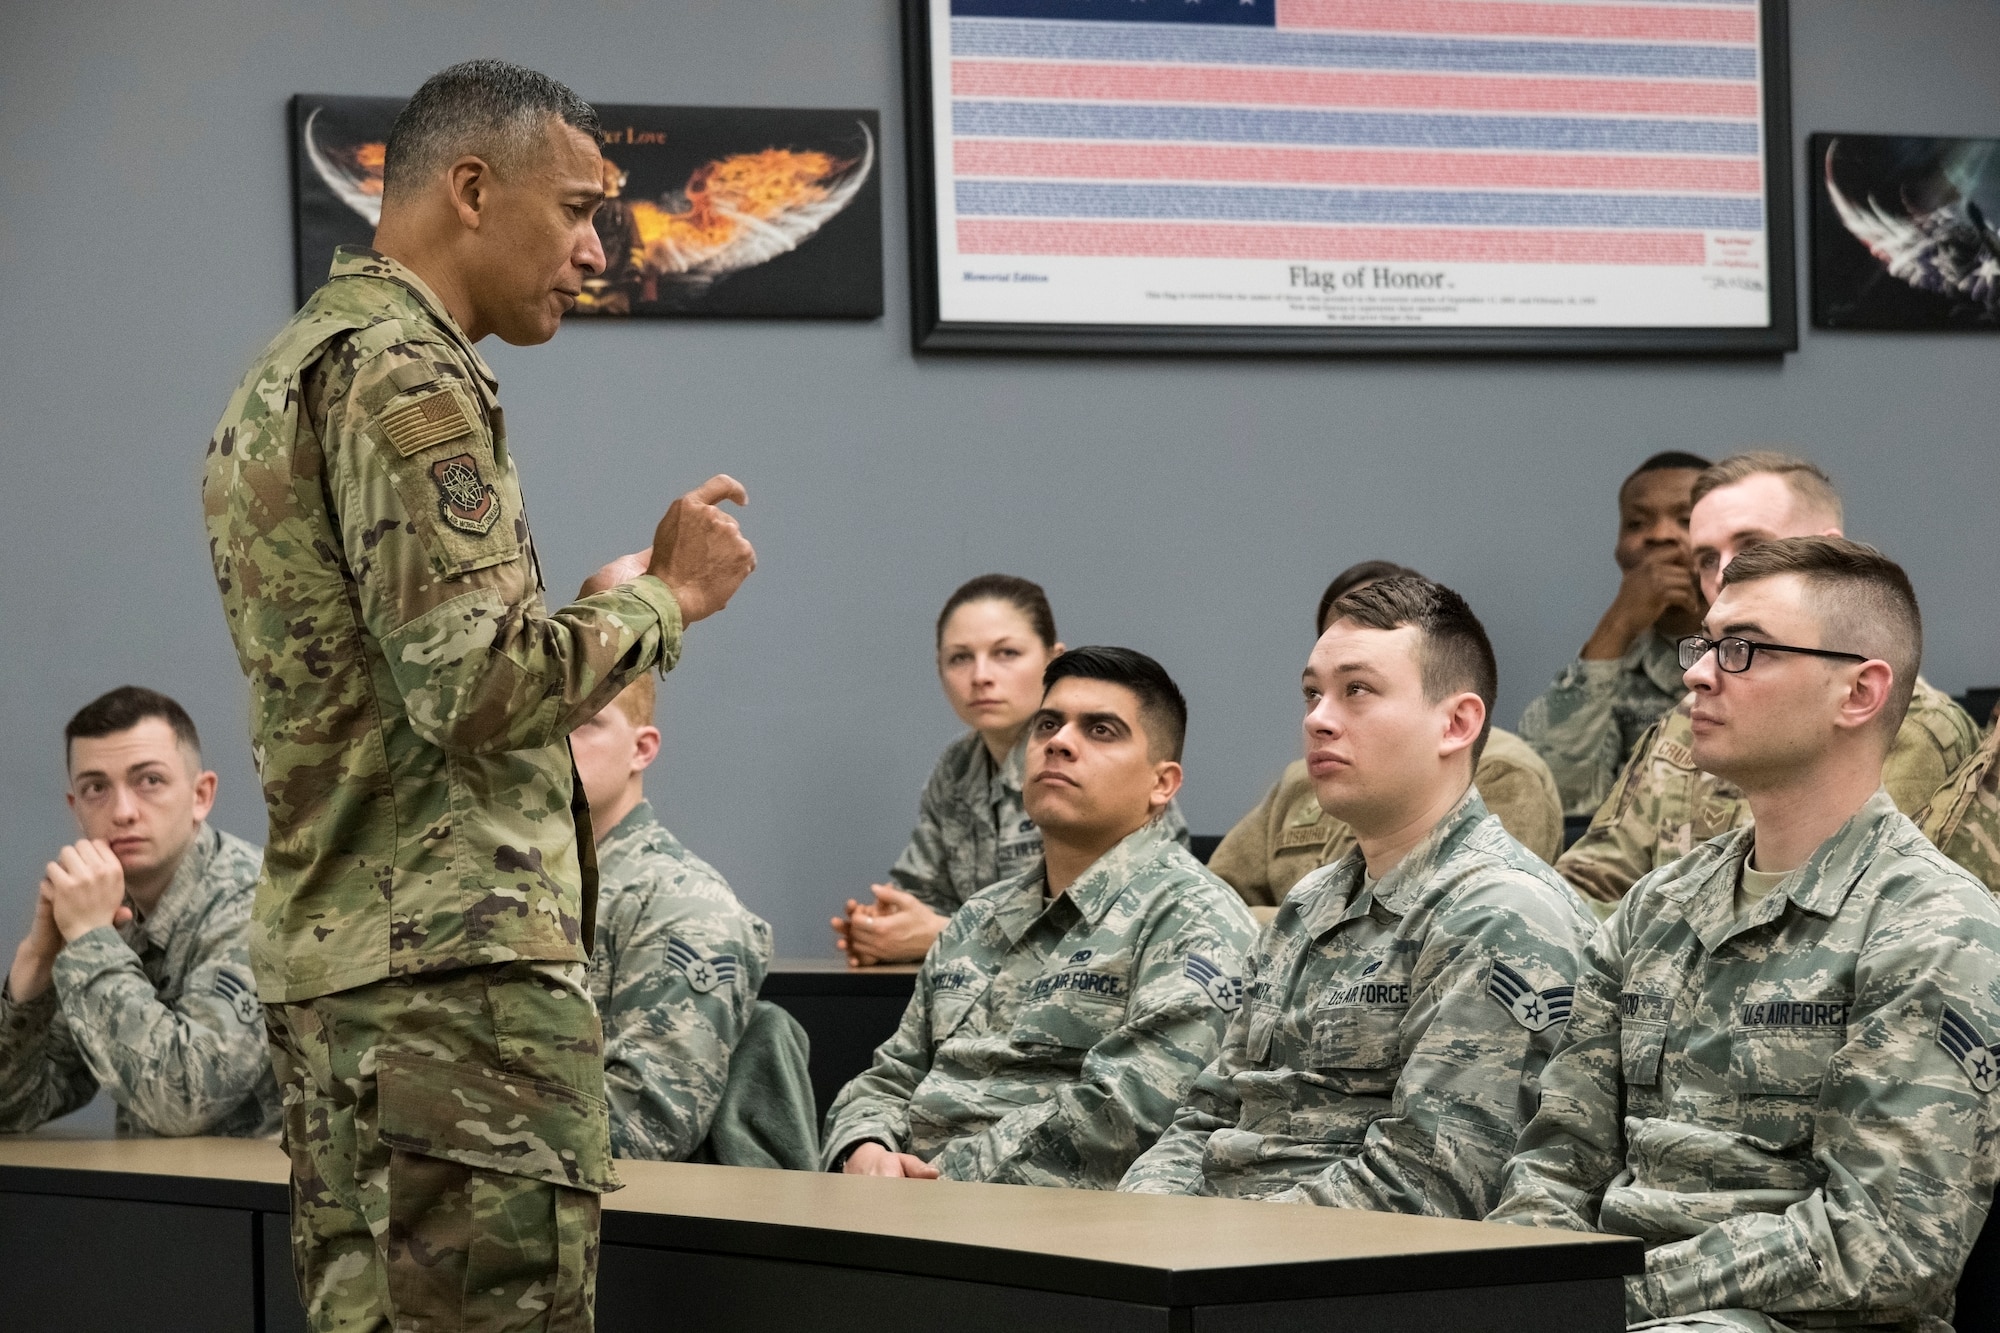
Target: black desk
{"x": 190, "y": 1235}
{"x": 846, "y": 1011}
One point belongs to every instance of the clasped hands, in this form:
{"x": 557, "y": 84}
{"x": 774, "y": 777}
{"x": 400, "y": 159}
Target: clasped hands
{"x": 897, "y": 927}
{"x": 81, "y": 890}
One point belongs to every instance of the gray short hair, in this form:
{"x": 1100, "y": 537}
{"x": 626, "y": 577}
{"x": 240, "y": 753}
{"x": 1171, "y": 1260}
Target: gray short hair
{"x": 490, "y": 108}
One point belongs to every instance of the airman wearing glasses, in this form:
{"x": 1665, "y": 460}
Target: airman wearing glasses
{"x": 1779, "y": 1070}
{"x": 1664, "y": 804}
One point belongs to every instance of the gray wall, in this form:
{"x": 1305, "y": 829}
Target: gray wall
{"x": 1193, "y": 509}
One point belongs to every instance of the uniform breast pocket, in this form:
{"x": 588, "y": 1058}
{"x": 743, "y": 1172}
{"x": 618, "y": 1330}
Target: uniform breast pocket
{"x": 1782, "y": 1062}
{"x": 1074, "y": 1016}
{"x": 1639, "y": 1048}
{"x": 1363, "y": 1047}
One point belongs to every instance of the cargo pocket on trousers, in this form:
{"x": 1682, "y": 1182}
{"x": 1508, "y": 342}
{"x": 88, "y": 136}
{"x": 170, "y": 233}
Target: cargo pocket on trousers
{"x": 495, "y": 1122}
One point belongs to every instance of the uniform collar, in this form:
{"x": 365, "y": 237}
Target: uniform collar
{"x": 183, "y": 896}
{"x": 640, "y": 825}
{"x": 1095, "y": 890}
{"x": 1820, "y": 886}
{"x": 1345, "y": 896}
{"x": 358, "y": 261}
{"x": 1658, "y": 658}
{"x": 1014, "y": 769}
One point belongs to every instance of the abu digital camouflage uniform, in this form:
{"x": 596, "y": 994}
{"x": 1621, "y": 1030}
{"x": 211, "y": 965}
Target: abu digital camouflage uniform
{"x": 1664, "y": 807}
{"x": 410, "y": 700}
{"x": 1390, "y": 1040}
{"x": 1588, "y": 721}
{"x": 1287, "y": 836}
{"x": 1048, "y": 1042}
{"x": 1963, "y": 818}
{"x": 675, "y": 974}
{"x": 972, "y": 828}
{"x": 160, "y": 1012}
{"x": 1793, "y": 1106}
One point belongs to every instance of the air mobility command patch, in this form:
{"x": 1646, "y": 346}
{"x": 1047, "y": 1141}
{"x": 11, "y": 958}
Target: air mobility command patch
{"x": 1962, "y": 1042}
{"x": 1535, "y": 1010}
{"x": 1226, "y": 991}
{"x": 704, "y": 974}
{"x": 464, "y": 498}
{"x": 431, "y": 419}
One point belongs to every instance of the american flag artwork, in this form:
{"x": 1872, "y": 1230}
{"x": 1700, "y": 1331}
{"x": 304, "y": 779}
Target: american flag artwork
{"x": 1357, "y": 163}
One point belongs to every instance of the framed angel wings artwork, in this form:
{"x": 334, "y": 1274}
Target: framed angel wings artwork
{"x": 1905, "y": 232}
{"x": 743, "y": 212}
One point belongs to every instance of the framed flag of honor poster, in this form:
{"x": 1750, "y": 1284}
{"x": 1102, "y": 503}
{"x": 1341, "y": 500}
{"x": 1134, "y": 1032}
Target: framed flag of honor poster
{"x": 1509, "y": 176}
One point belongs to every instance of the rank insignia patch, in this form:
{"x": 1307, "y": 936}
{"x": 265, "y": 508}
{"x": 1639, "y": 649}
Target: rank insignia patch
{"x": 704, "y": 974}
{"x": 432, "y": 419}
{"x": 240, "y": 996}
{"x": 1962, "y": 1042}
{"x": 1226, "y": 991}
{"x": 1535, "y": 1010}
{"x": 464, "y": 498}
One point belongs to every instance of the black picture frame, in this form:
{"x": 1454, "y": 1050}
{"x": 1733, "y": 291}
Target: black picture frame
{"x": 932, "y": 334}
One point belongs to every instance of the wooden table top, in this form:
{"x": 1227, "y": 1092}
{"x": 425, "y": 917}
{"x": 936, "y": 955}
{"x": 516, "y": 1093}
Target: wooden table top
{"x": 1135, "y": 1247}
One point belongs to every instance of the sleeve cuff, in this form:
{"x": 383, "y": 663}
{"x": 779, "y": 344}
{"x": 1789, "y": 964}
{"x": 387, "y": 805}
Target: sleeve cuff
{"x": 660, "y": 600}
{"x": 88, "y": 956}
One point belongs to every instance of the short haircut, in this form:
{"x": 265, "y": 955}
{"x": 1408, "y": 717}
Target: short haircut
{"x": 1453, "y": 653}
{"x": 1347, "y": 580}
{"x": 1162, "y": 709}
{"x": 489, "y": 108}
{"x": 636, "y": 700}
{"x": 125, "y": 708}
{"x": 1670, "y": 460}
{"x": 1803, "y": 478}
{"x": 1862, "y": 599}
{"x": 1024, "y": 596}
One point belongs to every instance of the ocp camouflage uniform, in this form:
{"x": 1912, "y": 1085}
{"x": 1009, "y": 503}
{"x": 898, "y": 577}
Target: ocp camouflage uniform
{"x": 160, "y": 1012}
{"x": 972, "y": 828}
{"x": 1792, "y": 1106}
{"x": 427, "y": 899}
{"x": 1963, "y": 818}
{"x": 1048, "y": 1042}
{"x": 1390, "y": 1039}
{"x": 675, "y": 973}
{"x": 1664, "y": 807}
{"x": 1587, "y": 723}
{"x": 1287, "y": 836}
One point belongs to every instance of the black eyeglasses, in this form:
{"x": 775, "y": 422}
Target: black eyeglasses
{"x": 1735, "y": 655}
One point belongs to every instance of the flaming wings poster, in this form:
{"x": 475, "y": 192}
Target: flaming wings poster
{"x": 712, "y": 211}
{"x": 1906, "y": 232}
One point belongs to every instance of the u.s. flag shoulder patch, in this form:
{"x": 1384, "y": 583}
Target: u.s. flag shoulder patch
{"x": 432, "y": 419}
{"x": 1962, "y": 1042}
{"x": 1535, "y": 1010}
{"x": 1226, "y": 991}
{"x": 704, "y": 974}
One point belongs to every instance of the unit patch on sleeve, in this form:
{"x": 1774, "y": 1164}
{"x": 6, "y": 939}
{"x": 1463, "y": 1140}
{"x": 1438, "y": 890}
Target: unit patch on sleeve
{"x": 704, "y": 974}
{"x": 1226, "y": 991}
{"x": 464, "y": 498}
{"x": 431, "y": 419}
{"x": 1535, "y": 1010}
{"x": 1962, "y": 1042}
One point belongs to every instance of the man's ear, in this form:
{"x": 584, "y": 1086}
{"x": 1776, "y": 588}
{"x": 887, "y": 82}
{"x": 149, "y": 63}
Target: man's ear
{"x": 1867, "y": 694}
{"x": 645, "y": 748}
{"x": 469, "y": 179}
{"x": 205, "y": 784}
{"x": 1166, "y": 782}
{"x": 1464, "y": 719}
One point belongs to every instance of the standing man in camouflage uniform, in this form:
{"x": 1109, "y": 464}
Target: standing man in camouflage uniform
{"x": 1399, "y": 1009}
{"x": 136, "y": 974}
{"x": 1286, "y": 836}
{"x": 1779, "y": 1070}
{"x": 1587, "y": 722}
{"x": 420, "y": 929}
{"x": 1963, "y": 818}
{"x": 678, "y": 960}
{"x": 1664, "y": 805}
{"x": 1063, "y": 1012}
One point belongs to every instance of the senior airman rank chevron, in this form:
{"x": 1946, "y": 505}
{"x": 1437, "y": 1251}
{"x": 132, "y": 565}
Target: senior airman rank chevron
{"x": 1225, "y": 990}
{"x": 704, "y": 974}
{"x": 1962, "y": 1042}
{"x": 1535, "y": 1010}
